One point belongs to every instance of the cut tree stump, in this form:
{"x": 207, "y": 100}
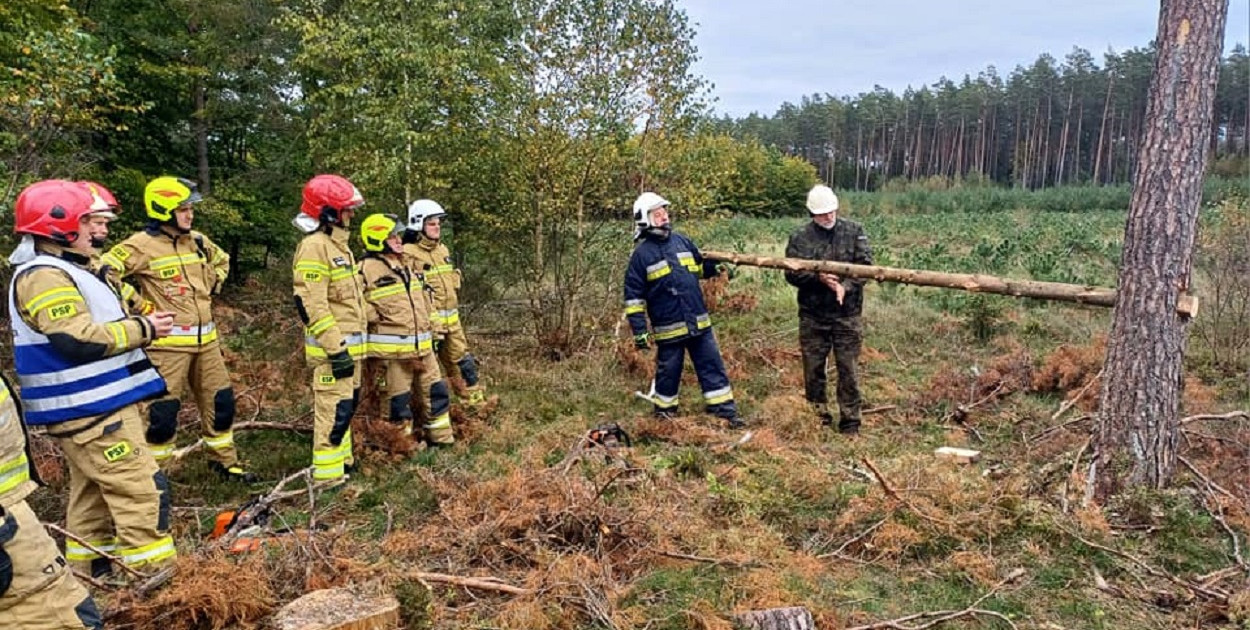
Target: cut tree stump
{"x": 797, "y": 618}
{"x": 339, "y": 609}
{"x": 961, "y": 455}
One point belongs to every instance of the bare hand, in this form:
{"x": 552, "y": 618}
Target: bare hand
{"x": 834, "y": 285}
{"x": 162, "y": 322}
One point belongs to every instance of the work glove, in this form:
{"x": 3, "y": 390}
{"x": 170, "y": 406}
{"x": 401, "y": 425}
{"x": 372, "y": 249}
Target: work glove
{"x": 642, "y": 341}
{"x": 342, "y": 365}
{"x": 8, "y": 529}
{"x": 438, "y": 345}
{"x": 730, "y": 271}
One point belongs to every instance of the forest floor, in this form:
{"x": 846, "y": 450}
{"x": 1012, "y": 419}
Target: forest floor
{"x": 696, "y": 522}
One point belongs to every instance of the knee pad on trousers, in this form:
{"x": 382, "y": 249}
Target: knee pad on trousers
{"x": 162, "y": 484}
{"x": 468, "y": 369}
{"x": 355, "y": 399}
{"x": 101, "y": 567}
{"x": 88, "y": 614}
{"x": 342, "y": 421}
{"x": 8, "y": 529}
{"x": 440, "y": 398}
{"x": 223, "y": 409}
{"x": 401, "y": 408}
{"x": 163, "y": 420}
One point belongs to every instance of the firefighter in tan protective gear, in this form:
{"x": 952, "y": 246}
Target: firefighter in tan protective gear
{"x": 178, "y": 270}
{"x": 329, "y": 301}
{"x": 37, "y": 591}
{"x": 430, "y": 258}
{"x": 399, "y": 329}
{"x": 82, "y": 372}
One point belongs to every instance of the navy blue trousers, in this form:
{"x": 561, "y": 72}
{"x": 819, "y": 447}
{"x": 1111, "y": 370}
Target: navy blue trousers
{"x": 718, "y": 397}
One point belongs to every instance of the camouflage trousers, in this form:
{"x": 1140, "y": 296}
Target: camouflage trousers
{"x": 844, "y": 338}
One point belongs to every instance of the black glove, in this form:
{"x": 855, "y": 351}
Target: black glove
{"x": 729, "y": 270}
{"x": 342, "y": 365}
{"x": 438, "y": 345}
{"x": 642, "y": 341}
{"x": 8, "y": 529}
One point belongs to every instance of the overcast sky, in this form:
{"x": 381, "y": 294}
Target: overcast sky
{"x": 761, "y": 53}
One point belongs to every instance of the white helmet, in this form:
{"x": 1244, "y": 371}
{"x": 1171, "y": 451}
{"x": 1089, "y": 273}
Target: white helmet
{"x": 821, "y": 200}
{"x": 643, "y": 205}
{"x": 423, "y": 209}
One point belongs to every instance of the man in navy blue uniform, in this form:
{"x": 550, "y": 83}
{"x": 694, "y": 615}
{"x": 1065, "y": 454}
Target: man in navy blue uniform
{"x": 662, "y": 284}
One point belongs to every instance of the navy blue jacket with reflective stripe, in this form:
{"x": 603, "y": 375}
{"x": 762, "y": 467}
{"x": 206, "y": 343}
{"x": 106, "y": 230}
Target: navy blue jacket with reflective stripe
{"x": 663, "y": 276}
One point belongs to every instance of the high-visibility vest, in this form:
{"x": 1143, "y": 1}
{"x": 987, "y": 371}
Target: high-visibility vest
{"x": 55, "y": 388}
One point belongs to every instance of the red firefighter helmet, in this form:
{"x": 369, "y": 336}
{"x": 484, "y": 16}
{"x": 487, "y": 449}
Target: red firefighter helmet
{"x": 52, "y": 208}
{"x": 329, "y": 192}
{"x": 103, "y": 201}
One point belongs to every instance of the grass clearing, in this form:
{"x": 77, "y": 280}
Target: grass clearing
{"x": 688, "y": 527}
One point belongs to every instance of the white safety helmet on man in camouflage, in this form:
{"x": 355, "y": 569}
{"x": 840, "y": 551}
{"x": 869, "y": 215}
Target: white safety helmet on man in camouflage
{"x": 821, "y": 200}
{"x": 423, "y": 209}
{"x": 643, "y": 205}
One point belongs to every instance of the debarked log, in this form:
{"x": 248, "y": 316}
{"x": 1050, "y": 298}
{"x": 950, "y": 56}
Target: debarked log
{"x": 975, "y": 283}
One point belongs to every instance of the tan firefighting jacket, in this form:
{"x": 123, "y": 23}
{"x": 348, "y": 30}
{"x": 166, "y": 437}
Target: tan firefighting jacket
{"x": 177, "y": 273}
{"x": 432, "y": 261}
{"x": 15, "y": 480}
{"x": 328, "y": 295}
{"x": 49, "y": 302}
{"x": 397, "y": 308}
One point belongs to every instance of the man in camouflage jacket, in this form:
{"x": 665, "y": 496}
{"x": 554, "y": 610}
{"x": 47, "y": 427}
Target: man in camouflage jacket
{"x": 830, "y": 307}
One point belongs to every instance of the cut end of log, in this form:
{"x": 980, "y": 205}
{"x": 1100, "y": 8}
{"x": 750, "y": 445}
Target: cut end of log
{"x": 339, "y": 609}
{"x": 797, "y": 618}
{"x": 1187, "y": 305}
{"x": 959, "y": 455}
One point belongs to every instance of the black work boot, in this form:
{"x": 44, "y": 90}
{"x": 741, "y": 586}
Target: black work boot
{"x": 848, "y": 426}
{"x": 735, "y": 422}
{"x": 233, "y": 472}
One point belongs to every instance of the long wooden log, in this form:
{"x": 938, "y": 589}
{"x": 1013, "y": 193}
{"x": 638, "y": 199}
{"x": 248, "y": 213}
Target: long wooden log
{"x": 972, "y": 282}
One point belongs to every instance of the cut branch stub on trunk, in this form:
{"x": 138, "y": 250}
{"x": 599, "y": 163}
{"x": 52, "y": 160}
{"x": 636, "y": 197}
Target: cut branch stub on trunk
{"x": 974, "y": 283}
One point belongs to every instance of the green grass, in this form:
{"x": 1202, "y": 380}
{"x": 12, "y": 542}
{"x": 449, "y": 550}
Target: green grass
{"x": 793, "y": 493}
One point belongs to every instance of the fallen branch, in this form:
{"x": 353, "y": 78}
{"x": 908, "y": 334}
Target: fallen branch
{"x": 1210, "y": 484}
{"x": 889, "y": 491}
{"x": 879, "y": 409}
{"x": 485, "y": 584}
{"x": 242, "y": 426}
{"x": 1069, "y": 403}
{"x": 720, "y": 562}
{"x": 946, "y": 615}
{"x": 837, "y": 553}
{"x": 96, "y": 550}
{"x": 1239, "y": 415}
{"x": 96, "y": 584}
{"x": 1198, "y": 589}
{"x": 1059, "y": 427}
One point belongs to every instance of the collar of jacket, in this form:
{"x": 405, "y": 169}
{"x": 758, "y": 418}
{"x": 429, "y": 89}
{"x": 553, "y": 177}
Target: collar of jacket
{"x": 337, "y": 233}
{"x": 427, "y": 243}
{"x": 45, "y": 246}
{"x": 158, "y": 228}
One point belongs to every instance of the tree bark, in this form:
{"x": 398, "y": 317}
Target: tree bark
{"x": 1137, "y": 433}
{"x": 973, "y": 283}
{"x": 797, "y": 618}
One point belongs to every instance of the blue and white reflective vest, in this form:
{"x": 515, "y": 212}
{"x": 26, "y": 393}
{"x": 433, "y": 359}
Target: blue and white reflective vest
{"x": 57, "y": 389}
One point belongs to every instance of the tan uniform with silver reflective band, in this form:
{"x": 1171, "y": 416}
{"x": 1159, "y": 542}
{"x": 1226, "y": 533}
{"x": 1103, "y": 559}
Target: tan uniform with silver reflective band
{"x": 115, "y": 486}
{"x": 328, "y": 288}
{"x": 178, "y": 273}
{"x": 400, "y": 337}
{"x": 44, "y": 595}
{"x": 432, "y": 260}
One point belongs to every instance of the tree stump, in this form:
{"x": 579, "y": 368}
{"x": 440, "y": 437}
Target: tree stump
{"x": 339, "y": 609}
{"x": 797, "y": 618}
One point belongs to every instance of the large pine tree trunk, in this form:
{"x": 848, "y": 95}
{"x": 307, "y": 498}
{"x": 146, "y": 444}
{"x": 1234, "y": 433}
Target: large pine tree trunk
{"x": 1136, "y": 437}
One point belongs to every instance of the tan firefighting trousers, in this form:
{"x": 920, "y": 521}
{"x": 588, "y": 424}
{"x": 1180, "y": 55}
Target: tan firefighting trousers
{"x": 452, "y": 351}
{"x": 118, "y": 497}
{"x": 431, "y": 390}
{"x": 204, "y": 374}
{"x": 44, "y": 595}
{"x": 334, "y": 403}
